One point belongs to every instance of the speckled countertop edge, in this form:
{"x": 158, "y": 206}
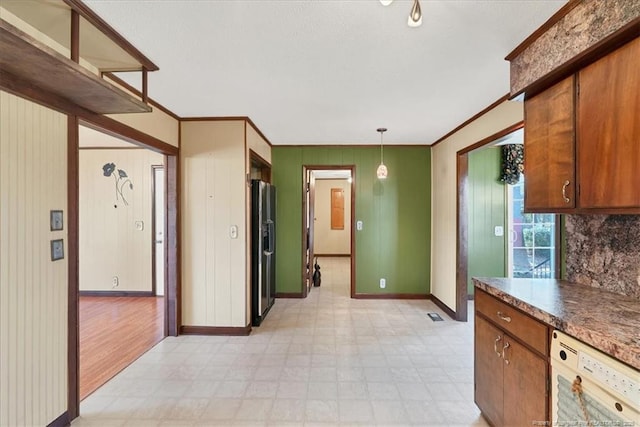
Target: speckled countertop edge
{"x": 606, "y": 321}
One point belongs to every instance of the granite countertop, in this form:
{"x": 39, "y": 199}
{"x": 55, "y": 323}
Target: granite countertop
{"x": 605, "y": 320}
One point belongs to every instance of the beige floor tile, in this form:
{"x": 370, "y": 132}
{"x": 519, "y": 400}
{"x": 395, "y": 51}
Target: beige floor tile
{"x": 325, "y": 360}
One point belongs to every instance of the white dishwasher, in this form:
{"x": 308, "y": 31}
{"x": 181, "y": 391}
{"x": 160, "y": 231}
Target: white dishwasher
{"x": 590, "y": 388}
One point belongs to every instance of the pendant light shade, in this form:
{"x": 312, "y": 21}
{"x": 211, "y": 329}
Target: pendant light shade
{"x": 386, "y": 2}
{"x": 415, "y": 17}
{"x": 382, "y": 171}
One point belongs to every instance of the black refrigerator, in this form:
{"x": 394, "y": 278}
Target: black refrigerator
{"x": 263, "y": 249}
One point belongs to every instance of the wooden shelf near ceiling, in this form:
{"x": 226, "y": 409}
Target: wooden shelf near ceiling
{"x": 32, "y": 61}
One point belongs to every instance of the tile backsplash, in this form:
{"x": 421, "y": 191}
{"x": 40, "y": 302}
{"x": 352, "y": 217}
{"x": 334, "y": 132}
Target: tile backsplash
{"x": 603, "y": 251}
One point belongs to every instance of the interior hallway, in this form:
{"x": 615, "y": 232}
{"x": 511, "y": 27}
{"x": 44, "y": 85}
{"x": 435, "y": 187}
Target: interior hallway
{"x": 323, "y": 360}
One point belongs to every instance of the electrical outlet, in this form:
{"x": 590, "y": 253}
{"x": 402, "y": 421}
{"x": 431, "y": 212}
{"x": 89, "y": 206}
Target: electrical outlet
{"x": 383, "y": 283}
{"x": 115, "y": 282}
{"x": 359, "y": 225}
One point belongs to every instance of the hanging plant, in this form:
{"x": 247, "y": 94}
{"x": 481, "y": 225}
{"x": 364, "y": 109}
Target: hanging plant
{"x": 512, "y": 163}
{"x": 121, "y": 179}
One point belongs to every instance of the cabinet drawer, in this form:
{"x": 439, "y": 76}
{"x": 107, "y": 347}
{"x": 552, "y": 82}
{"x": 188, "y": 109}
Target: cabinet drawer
{"x": 509, "y": 319}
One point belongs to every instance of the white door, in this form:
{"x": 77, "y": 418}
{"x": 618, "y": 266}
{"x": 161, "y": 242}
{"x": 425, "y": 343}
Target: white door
{"x": 158, "y": 218}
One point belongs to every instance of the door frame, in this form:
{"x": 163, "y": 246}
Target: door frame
{"x": 462, "y": 219}
{"x": 172, "y": 300}
{"x": 154, "y": 278}
{"x": 306, "y": 171}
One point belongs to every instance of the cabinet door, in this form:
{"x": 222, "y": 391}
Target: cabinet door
{"x": 549, "y": 149}
{"x": 525, "y": 385}
{"x": 609, "y": 130}
{"x": 488, "y": 370}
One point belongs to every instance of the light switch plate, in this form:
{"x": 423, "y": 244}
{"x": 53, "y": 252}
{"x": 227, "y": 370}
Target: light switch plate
{"x": 57, "y": 249}
{"x": 55, "y": 218}
{"x": 139, "y": 225}
{"x": 359, "y": 225}
{"x": 498, "y": 231}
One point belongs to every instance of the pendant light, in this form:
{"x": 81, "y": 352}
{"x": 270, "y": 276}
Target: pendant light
{"x": 382, "y": 169}
{"x": 415, "y": 17}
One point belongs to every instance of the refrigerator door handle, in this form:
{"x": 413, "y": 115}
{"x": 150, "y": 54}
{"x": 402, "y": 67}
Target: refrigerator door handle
{"x": 269, "y": 247}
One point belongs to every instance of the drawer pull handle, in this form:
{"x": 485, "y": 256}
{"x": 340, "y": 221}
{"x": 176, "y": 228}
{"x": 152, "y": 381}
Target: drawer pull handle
{"x": 495, "y": 346}
{"x": 504, "y": 352}
{"x": 564, "y": 191}
{"x": 504, "y": 317}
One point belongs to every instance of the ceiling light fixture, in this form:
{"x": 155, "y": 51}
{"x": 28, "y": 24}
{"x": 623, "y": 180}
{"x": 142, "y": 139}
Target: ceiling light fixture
{"x": 382, "y": 169}
{"x": 415, "y": 17}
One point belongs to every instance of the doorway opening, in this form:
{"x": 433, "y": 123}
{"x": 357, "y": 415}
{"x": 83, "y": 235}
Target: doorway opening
{"x": 487, "y": 228}
{"x": 328, "y": 221}
{"x": 121, "y": 212}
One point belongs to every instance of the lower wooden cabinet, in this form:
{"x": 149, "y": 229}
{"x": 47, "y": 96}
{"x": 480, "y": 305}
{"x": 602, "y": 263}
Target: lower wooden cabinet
{"x": 511, "y": 379}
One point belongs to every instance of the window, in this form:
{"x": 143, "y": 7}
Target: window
{"x": 532, "y": 251}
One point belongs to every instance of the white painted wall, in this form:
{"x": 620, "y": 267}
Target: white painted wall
{"x": 326, "y": 240}
{"x": 110, "y": 243}
{"x": 213, "y": 198}
{"x": 444, "y": 193}
{"x": 33, "y": 289}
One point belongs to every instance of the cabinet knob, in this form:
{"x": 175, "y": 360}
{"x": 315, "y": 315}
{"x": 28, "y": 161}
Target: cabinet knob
{"x": 564, "y": 191}
{"x": 504, "y": 317}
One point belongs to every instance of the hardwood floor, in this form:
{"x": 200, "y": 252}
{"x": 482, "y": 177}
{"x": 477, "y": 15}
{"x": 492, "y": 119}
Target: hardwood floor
{"x": 115, "y": 331}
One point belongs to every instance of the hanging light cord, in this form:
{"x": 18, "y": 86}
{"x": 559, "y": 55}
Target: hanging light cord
{"x": 381, "y": 150}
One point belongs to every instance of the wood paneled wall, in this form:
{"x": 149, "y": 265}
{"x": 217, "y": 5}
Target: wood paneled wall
{"x": 110, "y": 243}
{"x": 33, "y": 289}
{"x": 213, "y": 187}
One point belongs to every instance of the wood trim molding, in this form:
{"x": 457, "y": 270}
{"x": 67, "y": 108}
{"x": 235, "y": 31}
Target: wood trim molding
{"x": 137, "y": 92}
{"x": 351, "y": 145}
{"x": 173, "y": 246}
{"x": 214, "y": 119}
{"x": 289, "y": 295}
{"x": 75, "y": 36}
{"x": 119, "y": 130}
{"x": 564, "y": 10}
{"x": 390, "y": 296}
{"x": 112, "y": 34}
{"x": 116, "y": 293}
{"x": 442, "y": 306}
{"x": 333, "y": 255}
{"x": 62, "y": 421}
{"x": 253, "y": 125}
{"x": 492, "y": 138}
{"x": 258, "y": 158}
{"x": 462, "y": 236}
{"x": 475, "y": 117}
{"x": 215, "y": 330}
{"x": 73, "y": 257}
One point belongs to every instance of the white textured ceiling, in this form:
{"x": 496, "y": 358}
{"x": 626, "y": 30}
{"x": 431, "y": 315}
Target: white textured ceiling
{"x": 328, "y": 71}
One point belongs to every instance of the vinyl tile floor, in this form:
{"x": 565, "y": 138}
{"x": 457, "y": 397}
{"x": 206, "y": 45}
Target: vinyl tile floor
{"x": 324, "y": 360}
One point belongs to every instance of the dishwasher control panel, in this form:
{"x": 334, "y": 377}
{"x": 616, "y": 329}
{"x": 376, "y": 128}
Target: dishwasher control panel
{"x": 612, "y": 375}
{"x": 609, "y": 377}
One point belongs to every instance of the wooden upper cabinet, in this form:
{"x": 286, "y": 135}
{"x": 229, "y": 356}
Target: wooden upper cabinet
{"x": 608, "y": 135}
{"x": 549, "y": 149}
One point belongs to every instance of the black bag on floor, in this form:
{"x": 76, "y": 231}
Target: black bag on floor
{"x": 317, "y": 276}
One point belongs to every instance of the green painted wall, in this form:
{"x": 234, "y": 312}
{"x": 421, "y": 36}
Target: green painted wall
{"x": 487, "y": 208}
{"x": 395, "y": 242}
